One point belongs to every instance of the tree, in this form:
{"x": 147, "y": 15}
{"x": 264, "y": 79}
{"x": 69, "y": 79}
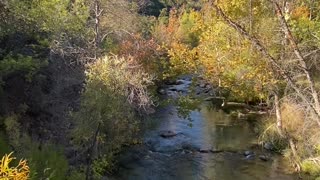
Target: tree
{"x": 307, "y": 92}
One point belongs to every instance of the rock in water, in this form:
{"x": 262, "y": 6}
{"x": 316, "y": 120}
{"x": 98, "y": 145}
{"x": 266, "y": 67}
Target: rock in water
{"x": 247, "y": 153}
{"x": 203, "y": 85}
{"x": 263, "y": 157}
{"x": 167, "y": 134}
{"x": 268, "y": 146}
{"x": 250, "y": 156}
{"x": 204, "y": 150}
{"x": 216, "y": 151}
{"x": 162, "y": 91}
{"x": 179, "y": 82}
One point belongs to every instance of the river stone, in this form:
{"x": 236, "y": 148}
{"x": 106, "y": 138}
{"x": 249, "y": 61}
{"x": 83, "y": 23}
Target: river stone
{"x": 203, "y": 85}
{"x": 173, "y": 89}
{"x": 263, "y": 157}
{"x": 182, "y": 91}
{"x": 167, "y": 134}
{"x": 207, "y": 91}
{"x": 179, "y": 82}
{"x": 190, "y": 147}
{"x": 268, "y": 146}
{"x": 250, "y": 156}
{"x": 162, "y": 91}
{"x": 216, "y": 151}
{"x": 170, "y": 82}
{"x": 204, "y": 150}
{"x": 247, "y": 153}
{"x": 168, "y": 145}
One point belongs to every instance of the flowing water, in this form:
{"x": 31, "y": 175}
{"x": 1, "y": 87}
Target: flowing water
{"x": 179, "y": 158}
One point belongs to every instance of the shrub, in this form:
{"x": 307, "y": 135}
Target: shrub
{"x": 116, "y": 89}
{"x": 311, "y": 167}
{"x": 46, "y": 162}
{"x": 25, "y": 64}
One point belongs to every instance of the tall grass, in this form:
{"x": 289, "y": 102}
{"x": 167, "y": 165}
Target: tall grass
{"x": 298, "y": 125}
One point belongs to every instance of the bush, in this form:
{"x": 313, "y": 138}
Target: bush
{"x": 24, "y": 64}
{"x": 311, "y": 167}
{"x": 116, "y": 89}
{"x": 5, "y": 147}
{"x": 76, "y": 175}
{"x": 46, "y": 162}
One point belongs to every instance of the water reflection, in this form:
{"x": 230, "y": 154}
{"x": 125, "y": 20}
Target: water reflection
{"x": 178, "y": 157}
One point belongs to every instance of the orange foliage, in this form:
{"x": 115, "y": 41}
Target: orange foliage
{"x": 145, "y": 52}
{"x": 300, "y": 12}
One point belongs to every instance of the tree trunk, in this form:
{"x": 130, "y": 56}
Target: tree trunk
{"x": 97, "y": 13}
{"x": 295, "y": 155}
{"x": 91, "y": 152}
{"x": 278, "y": 113}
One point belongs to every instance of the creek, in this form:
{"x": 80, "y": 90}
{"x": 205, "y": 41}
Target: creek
{"x": 212, "y": 148}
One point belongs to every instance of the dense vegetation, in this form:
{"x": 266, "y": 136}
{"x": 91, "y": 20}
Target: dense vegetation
{"x": 78, "y": 77}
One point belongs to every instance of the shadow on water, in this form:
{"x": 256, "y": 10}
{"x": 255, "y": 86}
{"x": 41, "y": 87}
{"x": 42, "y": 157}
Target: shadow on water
{"x": 179, "y": 157}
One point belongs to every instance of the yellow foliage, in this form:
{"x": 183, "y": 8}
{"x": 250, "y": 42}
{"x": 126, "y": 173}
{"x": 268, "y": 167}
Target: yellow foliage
{"x": 19, "y": 172}
{"x": 229, "y": 59}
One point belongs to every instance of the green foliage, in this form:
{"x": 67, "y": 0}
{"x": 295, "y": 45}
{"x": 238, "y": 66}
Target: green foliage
{"x": 19, "y": 63}
{"x": 181, "y": 3}
{"x": 311, "y": 167}
{"x": 13, "y": 130}
{"x": 51, "y": 16}
{"x": 305, "y": 30}
{"x": 186, "y": 104}
{"x": 5, "y": 147}
{"x": 46, "y": 162}
{"x": 76, "y": 175}
{"x": 153, "y": 8}
{"x": 105, "y": 162}
{"x": 113, "y": 86}
{"x": 188, "y": 23}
